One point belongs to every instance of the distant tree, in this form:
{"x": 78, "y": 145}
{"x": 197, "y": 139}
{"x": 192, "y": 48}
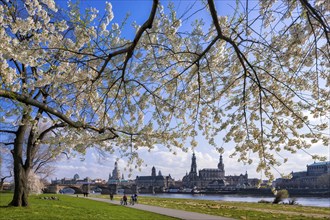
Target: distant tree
{"x": 259, "y": 77}
{"x": 280, "y": 196}
{"x": 6, "y": 168}
{"x": 35, "y": 184}
{"x": 3, "y": 178}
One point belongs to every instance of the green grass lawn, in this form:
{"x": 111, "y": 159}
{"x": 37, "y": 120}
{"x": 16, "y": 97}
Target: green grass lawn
{"x": 239, "y": 210}
{"x": 67, "y": 208}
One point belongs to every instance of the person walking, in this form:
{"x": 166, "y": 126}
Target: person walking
{"x": 131, "y": 201}
{"x": 125, "y": 199}
{"x": 135, "y": 198}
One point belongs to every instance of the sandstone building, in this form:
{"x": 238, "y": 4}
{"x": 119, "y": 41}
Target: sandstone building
{"x": 154, "y": 183}
{"x": 214, "y": 179}
{"x": 317, "y": 176}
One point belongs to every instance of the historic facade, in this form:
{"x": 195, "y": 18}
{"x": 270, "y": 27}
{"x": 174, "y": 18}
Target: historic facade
{"x": 192, "y": 179}
{"x": 153, "y": 183}
{"x": 213, "y": 179}
{"x": 239, "y": 182}
{"x": 115, "y": 177}
{"x": 317, "y": 175}
{"x": 211, "y": 173}
{"x": 205, "y": 178}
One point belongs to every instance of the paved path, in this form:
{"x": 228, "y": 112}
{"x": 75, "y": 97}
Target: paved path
{"x": 165, "y": 211}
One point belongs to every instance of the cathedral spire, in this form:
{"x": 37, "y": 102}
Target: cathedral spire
{"x": 153, "y": 172}
{"x": 193, "y": 164}
{"x": 220, "y": 164}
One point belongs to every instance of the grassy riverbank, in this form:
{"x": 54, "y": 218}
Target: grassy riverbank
{"x": 69, "y": 208}
{"x": 239, "y": 210}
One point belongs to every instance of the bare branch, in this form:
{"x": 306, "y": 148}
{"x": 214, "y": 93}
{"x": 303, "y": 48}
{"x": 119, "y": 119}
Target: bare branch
{"x": 30, "y": 101}
{"x": 7, "y": 131}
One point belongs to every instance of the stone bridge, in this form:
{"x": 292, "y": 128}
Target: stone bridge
{"x": 78, "y": 188}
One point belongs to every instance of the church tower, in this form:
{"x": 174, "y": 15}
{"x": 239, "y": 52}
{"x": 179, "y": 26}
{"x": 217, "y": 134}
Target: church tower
{"x": 193, "y": 169}
{"x": 116, "y": 172}
{"x": 115, "y": 178}
{"x": 153, "y": 172}
{"x": 221, "y": 166}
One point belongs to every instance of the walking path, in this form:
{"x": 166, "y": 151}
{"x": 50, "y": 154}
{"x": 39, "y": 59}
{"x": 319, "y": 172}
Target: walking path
{"x": 165, "y": 211}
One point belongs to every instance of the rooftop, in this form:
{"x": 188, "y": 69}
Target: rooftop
{"x": 320, "y": 163}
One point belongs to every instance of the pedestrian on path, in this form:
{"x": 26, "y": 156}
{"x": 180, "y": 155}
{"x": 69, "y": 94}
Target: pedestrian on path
{"x": 135, "y": 198}
{"x": 180, "y": 214}
{"x": 131, "y": 201}
{"x": 125, "y": 199}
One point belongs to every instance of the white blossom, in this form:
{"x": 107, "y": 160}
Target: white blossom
{"x": 251, "y": 87}
{"x": 108, "y": 8}
{"x": 50, "y": 4}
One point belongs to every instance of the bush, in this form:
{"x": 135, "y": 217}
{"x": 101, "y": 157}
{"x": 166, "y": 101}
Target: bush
{"x": 280, "y": 196}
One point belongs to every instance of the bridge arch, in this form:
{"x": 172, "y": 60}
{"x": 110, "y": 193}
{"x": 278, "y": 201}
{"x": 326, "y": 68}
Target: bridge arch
{"x": 77, "y": 190}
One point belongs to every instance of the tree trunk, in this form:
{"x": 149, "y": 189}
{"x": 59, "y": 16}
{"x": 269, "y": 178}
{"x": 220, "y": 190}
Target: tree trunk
{"x": 21, "y": 172}
{"x": 1, "y": 184}
{"x": 21, "y": 190}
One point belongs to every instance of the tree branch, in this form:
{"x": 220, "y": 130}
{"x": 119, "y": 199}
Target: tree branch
{"x": 7, "y": 131}
{"x": 30, "y": 101}
{"x": 314, "y": 13}
{"x": 130, "y": 49}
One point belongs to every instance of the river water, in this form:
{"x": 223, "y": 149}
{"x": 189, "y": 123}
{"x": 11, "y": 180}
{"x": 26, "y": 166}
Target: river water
{"x": 305, "y": 201}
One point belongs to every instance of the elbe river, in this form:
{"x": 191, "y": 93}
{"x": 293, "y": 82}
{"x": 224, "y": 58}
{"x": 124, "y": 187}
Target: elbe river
{"x": 305, "y": 201}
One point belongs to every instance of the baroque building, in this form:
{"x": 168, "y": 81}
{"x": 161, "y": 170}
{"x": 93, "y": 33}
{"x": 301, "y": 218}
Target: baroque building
{"x": 115, "y": 177}
{"x": 205, "y": 176}
{"x": 153, "y": 183}
{"x": 213, "y": 173}
{"x": 317, "y": 176}
{"x": 213, "y": 179}
{"x": 191, "y": 180}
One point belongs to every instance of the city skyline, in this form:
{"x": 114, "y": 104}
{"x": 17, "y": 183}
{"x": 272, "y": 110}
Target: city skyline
{"x": 97, "y": 166}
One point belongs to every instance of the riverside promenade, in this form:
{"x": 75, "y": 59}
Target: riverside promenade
{"x": 165, "y": 211}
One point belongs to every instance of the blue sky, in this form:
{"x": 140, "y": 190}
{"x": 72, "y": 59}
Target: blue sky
{"x": 96, "y": 166}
